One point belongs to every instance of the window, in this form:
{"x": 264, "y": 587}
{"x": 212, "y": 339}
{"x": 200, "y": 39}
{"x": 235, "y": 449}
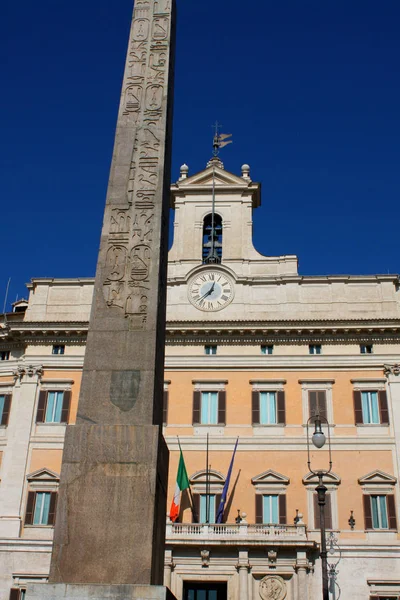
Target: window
{"x": 366, "y": 349}
{"x": 210, "y": 349}
{"x": 371, "y": 407}
{"x": 40, "y": 509}
{"x": 379, "y": 511}
{"x": 328, "y": 512}
{"x": 267, "y": 349}
{"x": 317, "y": 403}
{"x": 315, "y": 349}
{"x": 209, "y": 407}
{"x": 5, "y": 406}
{"x": 5, "y": 355}
{"x": 206, "y": 484}
{"x": 58, "y": 349}
{"x": 17, "y": 593}
{"x": 53, "y": 407}
{"x": 210, "y": 509}
{"x": 212, "y": 240}
{"x": 268, "y": 408}
{"x": 332, "y": 482}
{"x": 271, "y": 509}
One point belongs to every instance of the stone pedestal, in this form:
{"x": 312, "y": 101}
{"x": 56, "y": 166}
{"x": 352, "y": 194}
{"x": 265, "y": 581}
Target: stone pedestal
{"x": 111, "y": 512}
{"x": 43, "y": 591}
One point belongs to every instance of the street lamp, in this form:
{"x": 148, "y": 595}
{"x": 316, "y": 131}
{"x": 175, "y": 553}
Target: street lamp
{"x": 318, "y": 439}
{"x": 335, "y": 553}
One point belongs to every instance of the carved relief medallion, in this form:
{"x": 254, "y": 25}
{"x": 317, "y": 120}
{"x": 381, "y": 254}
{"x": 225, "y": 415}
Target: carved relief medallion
{"x": 272, "y": 587}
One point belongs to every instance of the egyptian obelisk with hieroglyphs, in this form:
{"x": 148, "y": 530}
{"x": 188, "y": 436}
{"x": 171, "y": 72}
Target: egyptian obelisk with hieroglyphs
{"x": 110, "y": 526}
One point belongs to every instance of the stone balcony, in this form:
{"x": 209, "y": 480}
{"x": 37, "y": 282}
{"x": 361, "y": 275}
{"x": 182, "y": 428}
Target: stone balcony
{"x": 237, "y": 534}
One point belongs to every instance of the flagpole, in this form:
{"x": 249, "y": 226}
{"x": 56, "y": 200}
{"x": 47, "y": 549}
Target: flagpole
{"x": 192, "y": 508}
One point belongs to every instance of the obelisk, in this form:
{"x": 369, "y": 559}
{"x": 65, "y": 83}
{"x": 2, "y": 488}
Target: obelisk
{"x": 110, "y": 525}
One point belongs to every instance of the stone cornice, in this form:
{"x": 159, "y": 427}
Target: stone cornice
{"x": 329, "y": 331}
{"x": 253, "y": 363}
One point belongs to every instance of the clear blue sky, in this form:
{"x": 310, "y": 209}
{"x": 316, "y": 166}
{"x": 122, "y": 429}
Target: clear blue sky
{"x": 309, "y": 89}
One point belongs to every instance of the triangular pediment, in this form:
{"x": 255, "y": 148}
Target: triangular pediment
{"x": 270, "y": 476}
{"x": 331, "y": 478}
{"x": 378, "y": 477}
{"x": 222, "y": 178}
{"x": 43, "y": 475}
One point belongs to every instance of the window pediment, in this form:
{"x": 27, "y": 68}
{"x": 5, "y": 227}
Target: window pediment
{"x": 377, "y": 478}
{"x": 43, "y": 475}
{"x": 329, "y": 479}
{"x": 201, "y": 477}
{"x": 270, "y": 476}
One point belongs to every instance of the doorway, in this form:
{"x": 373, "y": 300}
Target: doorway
{"x": 199, "y": 590}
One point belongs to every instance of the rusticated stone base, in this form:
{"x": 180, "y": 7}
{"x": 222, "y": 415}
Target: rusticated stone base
{"x": 60, "y": 591}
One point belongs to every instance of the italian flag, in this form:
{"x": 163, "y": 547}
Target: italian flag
{"x": 182, "y": 483}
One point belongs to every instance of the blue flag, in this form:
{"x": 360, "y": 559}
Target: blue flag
{"x": 221, "y": 507}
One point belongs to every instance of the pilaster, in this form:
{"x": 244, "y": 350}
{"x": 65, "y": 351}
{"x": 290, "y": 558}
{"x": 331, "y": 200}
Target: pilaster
{"x": 15, "y": 458}
{"x": 392, "y": 373}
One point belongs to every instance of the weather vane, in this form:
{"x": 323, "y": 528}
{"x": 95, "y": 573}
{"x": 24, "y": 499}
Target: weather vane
{"x": 220, "y": 139}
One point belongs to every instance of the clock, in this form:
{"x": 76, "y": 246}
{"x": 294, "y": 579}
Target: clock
{"x": 210, "y": 290}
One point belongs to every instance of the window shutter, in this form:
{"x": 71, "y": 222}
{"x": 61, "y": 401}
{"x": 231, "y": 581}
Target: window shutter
{"x": 15, "y": 594}
{"x": 282, "y": 509}
{"x": 29, "y": 508}
{"x": 391, "y": 508}
{"x": 196, "y": 407}
{"x": 317, "y": 520}
{"x": 358, "y": 416}
{"x": 383, "y": 407}
{"x": 321, "y": 403}
{"x": 41, "y": 407}
{"x": 328, "y": 512}
{"x": 217, "y": 503}
{"x": 259, "y": 508}
{"x": 281, "y": 408}
{"x": 52, "y": 509}
{"x": 65, "y": 407}
{"x": 196, "y": 508}
{"x": 255, "y": 408}
{"x": 312, "y": 403}
{"x": 317, "y": 403}
{"x": 221, "y": 408}
{"x": 367, "y": 512}
{"x": 165, "y": 407}
{"x": 6, "y": 409}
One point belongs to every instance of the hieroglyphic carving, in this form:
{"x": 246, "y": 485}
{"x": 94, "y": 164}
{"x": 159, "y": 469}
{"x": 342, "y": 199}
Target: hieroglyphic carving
{"x": 130, "y": 252}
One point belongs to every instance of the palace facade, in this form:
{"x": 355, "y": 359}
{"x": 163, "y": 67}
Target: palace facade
{"x": 253, "y": 351}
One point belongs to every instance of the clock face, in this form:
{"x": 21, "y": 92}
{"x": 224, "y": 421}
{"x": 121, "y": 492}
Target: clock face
{"x": 210, "y": 290}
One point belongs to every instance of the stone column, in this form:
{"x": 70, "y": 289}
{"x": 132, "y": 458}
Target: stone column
{"x": 15, "y": 459}
{"x": 168, "y": 567}
{"x": 110, "y": 524}
{"x": 243, "y": 568}
{"x": 302, "y": 568}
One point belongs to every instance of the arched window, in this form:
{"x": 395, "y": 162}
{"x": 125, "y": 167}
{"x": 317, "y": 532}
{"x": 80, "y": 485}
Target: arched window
{"x": 212, "y": 240}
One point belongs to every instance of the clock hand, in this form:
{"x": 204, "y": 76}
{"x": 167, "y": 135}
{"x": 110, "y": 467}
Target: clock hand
{"x": 210, "y": 291}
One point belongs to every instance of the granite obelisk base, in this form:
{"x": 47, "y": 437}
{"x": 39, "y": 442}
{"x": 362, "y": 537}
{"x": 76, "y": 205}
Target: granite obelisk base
{"x": 58, "y": 591}
{"x": 119, "y": 472}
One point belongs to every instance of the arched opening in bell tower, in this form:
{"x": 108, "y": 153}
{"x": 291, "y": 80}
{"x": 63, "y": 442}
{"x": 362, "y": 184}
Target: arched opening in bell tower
{"x": 212, "y": 239}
